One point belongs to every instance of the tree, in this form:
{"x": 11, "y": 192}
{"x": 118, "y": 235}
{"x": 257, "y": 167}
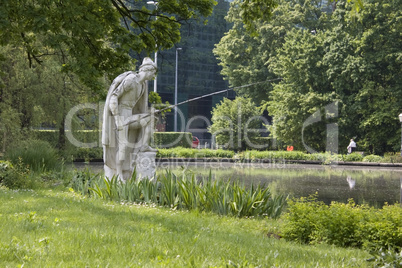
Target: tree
{"x": 343, "y": 59}
{"x": 94, "y": 37}
{"x": 30, "y": 97}
{"x": 364, "y": 67}
{"x": 355, "y": 64}
{"x": 303, "y": 91}
{"x": 244, "y": 55}
{"x": 236, "y": 123}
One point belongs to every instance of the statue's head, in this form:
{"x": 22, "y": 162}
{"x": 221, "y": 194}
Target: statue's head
{"x": 148, "y": 65}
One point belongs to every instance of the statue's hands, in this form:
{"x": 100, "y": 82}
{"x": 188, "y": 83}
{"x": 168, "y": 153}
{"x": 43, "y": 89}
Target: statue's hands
{"x": 145, "y": 121}
{"x": 119, "y": 123}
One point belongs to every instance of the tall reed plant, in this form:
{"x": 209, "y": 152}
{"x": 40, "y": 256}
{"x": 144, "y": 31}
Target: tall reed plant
{"x": 38, "y": 155}
{"x": 189, "y": 193}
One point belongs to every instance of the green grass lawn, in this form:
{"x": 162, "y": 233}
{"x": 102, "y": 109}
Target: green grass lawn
{"x": 55, "y": 228}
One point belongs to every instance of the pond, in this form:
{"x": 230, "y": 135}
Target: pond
{"x": 366, "y": 185}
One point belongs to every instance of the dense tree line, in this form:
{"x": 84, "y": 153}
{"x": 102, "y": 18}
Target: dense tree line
{"x": 337, "y": 67}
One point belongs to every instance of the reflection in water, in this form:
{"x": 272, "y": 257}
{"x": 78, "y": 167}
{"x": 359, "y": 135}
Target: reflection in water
{"x": 375, "y": 187}
{"x": 351, "y": 182}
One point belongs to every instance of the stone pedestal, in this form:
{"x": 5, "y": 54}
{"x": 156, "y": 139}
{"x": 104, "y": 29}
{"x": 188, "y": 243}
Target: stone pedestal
{"x": 144, "y": 164}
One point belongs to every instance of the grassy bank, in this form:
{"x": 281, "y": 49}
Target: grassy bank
{"x": 54, "y": 228}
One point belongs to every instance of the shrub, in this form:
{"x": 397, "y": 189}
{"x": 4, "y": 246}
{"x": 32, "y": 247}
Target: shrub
{"x": 338, "y": 225}
{"x": 36, "y": 154}
{"x": 262, "y": 142}
{"x": 372, "y": 158}
{"x": 87, "y": 153}
{"x": 5, "y": 167}
{"x": 15, "y": 176}
{"x": 393, "y": 157}
{"x": 173, "y": 139}
{"x": 353, "y": 157}
{"x": 325, "y": 158}
{"x": 194, "y": 153}
{"x": 381, "y": 228}
{"x": 218, "y": 153}
{"x": 299, "y": 221}
{"x": 272, "y": 155}
{"x": 311, "y": 221}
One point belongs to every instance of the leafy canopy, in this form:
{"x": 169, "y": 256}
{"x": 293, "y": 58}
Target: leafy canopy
{"x": 94, "y": 37}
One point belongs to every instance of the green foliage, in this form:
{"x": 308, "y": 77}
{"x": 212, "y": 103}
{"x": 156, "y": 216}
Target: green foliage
{"x": 71, "y": 152}
{"x": 82, "y": 181}
{"x": 177, "y": 152}
{"x": 386, "y": 258}
{"x": 236, "y": 123}
{"x": 254, "y": 10}
{"x": 37, "y": 155}
{"x": 86, "y": 154}
{"x": 311, "y": 221}
{"x": 373, "y": 158}
{"x": 156, "y": 102}
{"x": 323, "y": 55}
{"x": 353, "y": 157}
{"x": 273, "y": 155}
{"x": 5, "y": 168}
{"x": 381, "y": 228}
{"x": 20, "y": 176}
{"x": 15, "y": 176}
{"x": 185, "y": 192}
{"x": 326, "y": 158}
{"x": 264, "y": 143}
{"x": 244, "y": 56}
{"x": 173, "y": 139}
{"x": 393, "y": 157}
{"x": 112, "y": 29}
{"x": 197, "y": 153}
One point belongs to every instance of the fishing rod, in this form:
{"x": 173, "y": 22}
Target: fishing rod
{"x": 197, "y": 98}
{"x": 214, "y": 93}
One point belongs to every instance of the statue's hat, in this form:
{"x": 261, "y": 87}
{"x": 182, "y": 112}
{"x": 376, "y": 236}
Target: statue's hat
{"x": 148, "y": 62}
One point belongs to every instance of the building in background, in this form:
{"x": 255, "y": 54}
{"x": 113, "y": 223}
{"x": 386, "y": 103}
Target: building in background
{"x": 198, "y": 74}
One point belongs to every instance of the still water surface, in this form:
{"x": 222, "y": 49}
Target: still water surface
{"x": 366, "y": 185}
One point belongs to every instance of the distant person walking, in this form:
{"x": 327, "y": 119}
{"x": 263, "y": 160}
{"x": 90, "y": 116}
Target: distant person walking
{"x": 351, "y": 146}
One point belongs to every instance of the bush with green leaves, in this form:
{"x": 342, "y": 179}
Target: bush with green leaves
{"x": 271, "y": 155}
{"x": 381, "y": 228}
{"x": 393, "y": 157}
{"x": 353, "y": 157}
{"x": 5, "y": 167}
{"x": 87, "y": 154}
{"x": 254, "y": 155}
{"x": 194, "y": 153}
{"x": 172, "y": 139}
{"x": 373, "y": 158}
{"x": 15, "y": 176}
{"x": 38, "y": 155}
{"x": 325, "y": 158}
{"x": 347, "y": 225}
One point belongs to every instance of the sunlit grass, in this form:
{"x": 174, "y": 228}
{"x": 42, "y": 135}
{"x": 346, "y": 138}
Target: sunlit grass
{"x": 51, "y": 228}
